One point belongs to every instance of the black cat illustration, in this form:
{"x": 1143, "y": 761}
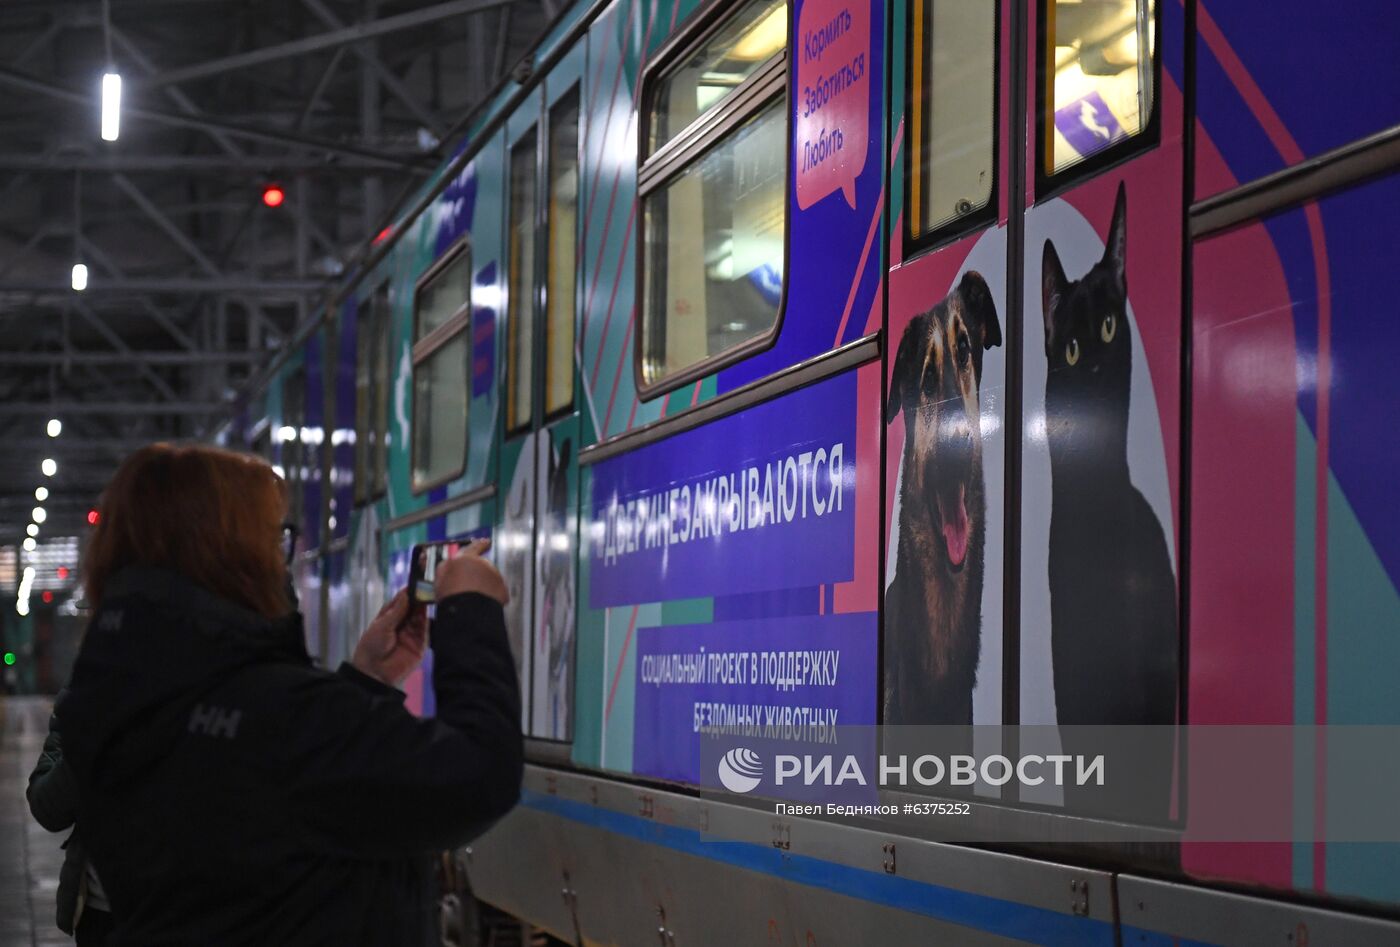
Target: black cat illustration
{"x": 1113, "y": 604}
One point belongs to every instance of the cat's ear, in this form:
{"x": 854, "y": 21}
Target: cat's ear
{"x": 980, "y": 311}
{"x": 1052, "y": 288}
{"x": 904, "y": 382}
{"x": 1115, "y": 251}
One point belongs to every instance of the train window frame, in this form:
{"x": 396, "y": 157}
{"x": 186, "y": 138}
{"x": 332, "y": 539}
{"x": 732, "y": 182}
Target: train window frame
{"x": 527, "y": 309}
{"x": 686, "y": 149}
{"x": 427, "y": 346}
{"x": 573, "y": 92}
{"x": 975, "y": 220}
{"x": 371, "y": 464}
{"x": 1048, "y": 182}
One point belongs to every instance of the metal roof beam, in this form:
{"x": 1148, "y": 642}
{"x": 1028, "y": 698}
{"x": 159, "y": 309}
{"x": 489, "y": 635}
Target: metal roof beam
{"x": 118, "y": 408}
{"x": 130, "y": 357}
{"x": 396, "y": 86}
{"x": 231, "y": 285}
{"x": 28, "y": 83}
{"x": 124, "y": 163}
{"x": 322, "y": 41}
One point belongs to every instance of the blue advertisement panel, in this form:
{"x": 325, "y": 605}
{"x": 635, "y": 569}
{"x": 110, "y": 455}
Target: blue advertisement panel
{"x": 788, "y": 679}
{"x": 714, "y": 510}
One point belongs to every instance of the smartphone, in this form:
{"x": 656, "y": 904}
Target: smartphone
{"x": 422, "y": 570}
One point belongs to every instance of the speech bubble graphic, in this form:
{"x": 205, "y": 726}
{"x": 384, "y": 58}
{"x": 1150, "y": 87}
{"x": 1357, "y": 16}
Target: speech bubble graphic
{"x": 832, "y": 95}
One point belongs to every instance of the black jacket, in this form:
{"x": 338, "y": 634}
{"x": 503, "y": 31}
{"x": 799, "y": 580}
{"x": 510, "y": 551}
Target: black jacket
{"x": 234, "y": 794}
{"x": 53, "y": 801}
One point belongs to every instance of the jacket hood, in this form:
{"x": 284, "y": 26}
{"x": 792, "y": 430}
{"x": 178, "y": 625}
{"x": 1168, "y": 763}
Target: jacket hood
{"x": 157, "y": 644}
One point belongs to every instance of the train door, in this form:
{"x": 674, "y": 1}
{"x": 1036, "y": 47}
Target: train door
{"x": 1100, "y": 361}
{"x": 540, "y": 508}
{"x": 946, "y": 365}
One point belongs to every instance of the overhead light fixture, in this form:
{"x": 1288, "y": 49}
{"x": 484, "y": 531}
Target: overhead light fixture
{"x": 30, "y": 544}
{"x": 55, "y": 425}
{"x": 111, "y": 106}
{"x": 41, "y": 494}
{"x": 49, "y": 466}
{"x": 32, "y": 529}
{"x": 39, "y": 514}
{"x": 80, "y": 277}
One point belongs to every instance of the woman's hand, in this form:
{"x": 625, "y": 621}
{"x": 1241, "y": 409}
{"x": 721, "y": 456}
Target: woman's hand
{"x": 468, "y": 572}
{"x": 393, "y": 644}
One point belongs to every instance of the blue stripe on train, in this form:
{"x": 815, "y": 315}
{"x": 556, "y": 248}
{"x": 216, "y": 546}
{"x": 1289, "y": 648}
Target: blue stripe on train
{"x": 979, "y": 912}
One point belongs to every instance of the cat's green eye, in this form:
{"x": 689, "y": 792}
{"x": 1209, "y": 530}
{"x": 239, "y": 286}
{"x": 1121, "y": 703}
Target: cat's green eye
{"x": 1072, "y": 351}
{"x": 1109, "y": 328}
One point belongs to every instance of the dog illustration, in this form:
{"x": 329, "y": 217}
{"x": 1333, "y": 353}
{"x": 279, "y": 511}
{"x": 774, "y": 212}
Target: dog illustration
{"x": 933, "y": 608}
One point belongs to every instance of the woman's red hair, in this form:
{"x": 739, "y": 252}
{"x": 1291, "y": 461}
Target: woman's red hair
{"x": 209, "y": 514}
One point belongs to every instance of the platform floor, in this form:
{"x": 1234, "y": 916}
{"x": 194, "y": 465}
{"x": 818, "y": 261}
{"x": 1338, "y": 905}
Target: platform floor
{"x": 29, "y": 856}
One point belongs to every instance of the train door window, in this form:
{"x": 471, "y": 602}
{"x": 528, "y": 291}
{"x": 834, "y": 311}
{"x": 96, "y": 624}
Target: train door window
{"x": 714, "y": 198}
{"x": 1098, "y": 83}
{"x": 520, "y": 294}
{"x": 294, "y": 437}
{"x": 953, "y": 74}
{"x": 372, "y": 397}
{"x": 441, "y": 318}
{"x": 562, "y": 259}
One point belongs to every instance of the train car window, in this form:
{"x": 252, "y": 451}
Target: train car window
{"x": 372, "y": 397}
{"x": 953, "y": 72}
{"x": 442, "y": 317}
{"x": 562, "y": 263}
{"x": 1099, "y": 75}
{"x": 520, "y": 295}
{"x": 714, "y": 201}
{"x": 713, "y": 70}
{"x": 293, "y": 436}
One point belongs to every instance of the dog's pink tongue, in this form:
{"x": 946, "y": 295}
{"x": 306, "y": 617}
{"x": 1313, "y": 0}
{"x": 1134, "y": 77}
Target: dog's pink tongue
{"x": 955, "y": 531}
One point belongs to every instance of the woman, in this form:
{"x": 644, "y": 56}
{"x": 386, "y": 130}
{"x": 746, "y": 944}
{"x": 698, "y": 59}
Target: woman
{"x": 53, "y": 800}
{"x": 233, "y": 793}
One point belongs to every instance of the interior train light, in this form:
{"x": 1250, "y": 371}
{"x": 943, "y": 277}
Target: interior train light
{"x": 49, "y": 466}
{"x": 41, "y": 493}
{"x": 55, "y": 426}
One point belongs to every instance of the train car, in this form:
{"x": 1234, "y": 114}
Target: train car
{"x": 839, "y": 364}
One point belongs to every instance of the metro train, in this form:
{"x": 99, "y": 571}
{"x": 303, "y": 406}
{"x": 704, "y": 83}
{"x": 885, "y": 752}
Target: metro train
{"x": 1008, "y": 363}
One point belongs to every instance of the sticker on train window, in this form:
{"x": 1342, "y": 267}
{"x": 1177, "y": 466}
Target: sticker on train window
{"x": 1099, "y": 77}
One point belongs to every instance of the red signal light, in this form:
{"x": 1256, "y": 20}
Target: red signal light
{"x": 93, "y": 517}
{"x": 63, "y": 572}
{"x": 273, "y": 195}
{"x": 47, "y": 597}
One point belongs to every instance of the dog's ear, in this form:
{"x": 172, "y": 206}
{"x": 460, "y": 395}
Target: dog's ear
{"x": 980, "y": 312}
{"x": 904, "y": 382}
{"x": 1115, "y": 251}
{"x": 1052, "y": 289}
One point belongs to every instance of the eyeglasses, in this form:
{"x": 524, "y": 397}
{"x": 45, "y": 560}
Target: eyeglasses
{"x": 289, "y": 541}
